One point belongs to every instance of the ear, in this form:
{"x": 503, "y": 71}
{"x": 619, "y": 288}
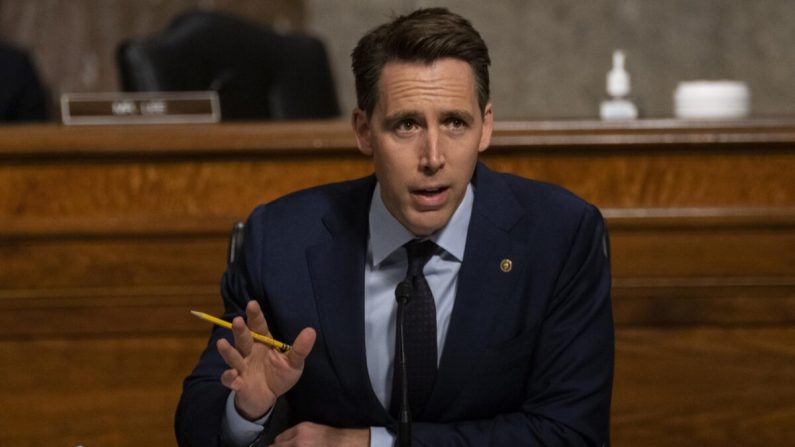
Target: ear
{"x": 488, "y": 126}
{"x": 361, "y": 127}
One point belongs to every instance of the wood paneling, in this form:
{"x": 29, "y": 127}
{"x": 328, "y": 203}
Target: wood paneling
{"x": 704, "y": 386}
{"x": 114, "y": 391}
{"x": 109, "y": 235}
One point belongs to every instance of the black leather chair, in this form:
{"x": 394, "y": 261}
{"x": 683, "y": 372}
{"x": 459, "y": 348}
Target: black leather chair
{"x": 22, "y": 96}
{"x": 258, "y": 73}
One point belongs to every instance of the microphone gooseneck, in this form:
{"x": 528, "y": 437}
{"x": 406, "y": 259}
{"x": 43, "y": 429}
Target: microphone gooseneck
{"x": 403, "y": 293}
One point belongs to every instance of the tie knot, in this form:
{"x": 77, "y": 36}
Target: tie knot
{"x": 419, "y": 252}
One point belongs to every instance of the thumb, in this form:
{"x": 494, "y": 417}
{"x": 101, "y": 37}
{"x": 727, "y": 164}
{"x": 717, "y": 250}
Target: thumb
{"x": 302, "y": 346}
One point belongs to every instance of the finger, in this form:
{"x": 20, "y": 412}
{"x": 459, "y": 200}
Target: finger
{"x": 230, "y": 355}
{"x": 286, "y": 436}
{"x": 228, "y": 378}
{"x": 302, "y": 346}
{"x": 243, "y": 339}
{"x": 256, "y": 319}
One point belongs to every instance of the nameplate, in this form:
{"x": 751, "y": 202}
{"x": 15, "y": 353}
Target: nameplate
{"x": 140, "y": 108}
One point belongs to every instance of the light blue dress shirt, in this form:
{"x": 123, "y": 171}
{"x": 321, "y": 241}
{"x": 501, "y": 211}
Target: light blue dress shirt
{"x": 385, "y": 267}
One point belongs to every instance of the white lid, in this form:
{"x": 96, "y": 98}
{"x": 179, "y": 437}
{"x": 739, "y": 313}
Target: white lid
{"x": 711, "y": 90}
{"x": 711, "y": 99}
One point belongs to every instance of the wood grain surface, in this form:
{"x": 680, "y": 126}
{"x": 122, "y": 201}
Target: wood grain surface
{"x": 109, "y": 235}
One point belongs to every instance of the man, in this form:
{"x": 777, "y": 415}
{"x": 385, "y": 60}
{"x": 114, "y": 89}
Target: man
{"x": 518, "y": 274}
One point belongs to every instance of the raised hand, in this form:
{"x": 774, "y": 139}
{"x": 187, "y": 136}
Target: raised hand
{"x": 258, "y": 373}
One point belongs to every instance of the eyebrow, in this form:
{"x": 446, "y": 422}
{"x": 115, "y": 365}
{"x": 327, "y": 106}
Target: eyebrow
{"x": 399, "y": 116}
{"x": 460, "y": 114}
{"x": 416, "y": 116}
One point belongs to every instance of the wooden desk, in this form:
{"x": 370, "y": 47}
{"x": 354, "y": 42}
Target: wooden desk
{"x": 108, "y": 235}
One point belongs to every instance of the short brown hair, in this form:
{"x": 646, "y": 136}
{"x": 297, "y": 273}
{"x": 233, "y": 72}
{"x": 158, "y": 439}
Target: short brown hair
{"x": 425, "y": 35}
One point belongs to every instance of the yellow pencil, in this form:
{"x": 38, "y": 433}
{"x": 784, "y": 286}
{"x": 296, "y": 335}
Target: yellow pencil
{"x": 283, "y": 347}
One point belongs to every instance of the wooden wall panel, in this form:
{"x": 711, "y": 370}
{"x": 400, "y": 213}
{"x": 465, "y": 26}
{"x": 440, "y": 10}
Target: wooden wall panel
{"x": 109, "y": 235}
{"x": 171, "y": 189}
{"x": 673, "y": 387}
{"x": 705, "y": 252}
{"x": 704, "y": 386}
{"x": 122, "y": 262}
{"x": 93, "y": 392}
{"x": 117, "y": 188}
{"x": 662, "y": 178}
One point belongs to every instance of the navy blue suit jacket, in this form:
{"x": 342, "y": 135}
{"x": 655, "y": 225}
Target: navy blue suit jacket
{"x": 529, "y": 353}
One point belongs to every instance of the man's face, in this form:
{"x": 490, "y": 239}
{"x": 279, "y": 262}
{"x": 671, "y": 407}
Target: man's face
{"x": 424, "y": 135}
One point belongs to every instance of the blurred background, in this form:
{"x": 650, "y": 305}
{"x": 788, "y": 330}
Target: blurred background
{"x": 110, "y": 234}
{"x": 549, "y": 57}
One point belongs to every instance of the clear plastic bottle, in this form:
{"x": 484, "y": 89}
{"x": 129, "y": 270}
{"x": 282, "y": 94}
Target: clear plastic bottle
{"x": 618, "y": 106}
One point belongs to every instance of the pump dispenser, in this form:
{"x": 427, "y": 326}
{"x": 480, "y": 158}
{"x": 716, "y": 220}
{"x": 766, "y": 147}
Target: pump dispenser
{"x": 618, "y": 106}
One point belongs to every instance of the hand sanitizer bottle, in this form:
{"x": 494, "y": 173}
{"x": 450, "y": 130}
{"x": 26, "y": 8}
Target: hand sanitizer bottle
{"x": 618, "y": 107}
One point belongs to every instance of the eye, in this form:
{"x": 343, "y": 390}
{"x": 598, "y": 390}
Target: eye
{"x": 405, "y": 126}
{"x": 456, "y": 123}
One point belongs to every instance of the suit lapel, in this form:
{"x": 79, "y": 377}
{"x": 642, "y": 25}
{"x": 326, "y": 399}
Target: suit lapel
{"x": 337, "y": 271}
{"x": 482, "y": 285}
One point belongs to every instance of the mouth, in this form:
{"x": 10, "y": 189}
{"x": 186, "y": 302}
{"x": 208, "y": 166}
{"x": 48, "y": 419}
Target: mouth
{"x": 430, "y": 198}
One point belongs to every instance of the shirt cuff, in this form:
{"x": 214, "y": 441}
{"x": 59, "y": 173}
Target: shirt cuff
{"x": 237, "y": 430}
{"x": 381, "y": 437}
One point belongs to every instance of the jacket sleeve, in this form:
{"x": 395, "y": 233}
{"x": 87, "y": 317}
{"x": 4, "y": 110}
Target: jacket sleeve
{"x": 203, "y": 402}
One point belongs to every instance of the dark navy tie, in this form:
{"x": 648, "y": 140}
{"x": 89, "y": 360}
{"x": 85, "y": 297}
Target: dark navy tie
{"x": 419, "y": 332}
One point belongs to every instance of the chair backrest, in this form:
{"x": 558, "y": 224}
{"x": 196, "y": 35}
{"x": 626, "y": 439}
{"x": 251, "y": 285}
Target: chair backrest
{"x": 22, "y": 96}
{"x": 258, "y": 73}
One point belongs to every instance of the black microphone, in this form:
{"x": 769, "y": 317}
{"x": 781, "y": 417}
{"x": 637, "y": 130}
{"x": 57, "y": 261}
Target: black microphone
{"x": 403, "y": 293}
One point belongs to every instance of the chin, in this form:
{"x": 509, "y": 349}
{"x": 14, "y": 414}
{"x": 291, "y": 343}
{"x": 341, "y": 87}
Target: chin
{"x": 426, "y": 227}
{"x": 422, "y": 232}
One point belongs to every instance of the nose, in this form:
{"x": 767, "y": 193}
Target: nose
{"x": 432, "y": 157}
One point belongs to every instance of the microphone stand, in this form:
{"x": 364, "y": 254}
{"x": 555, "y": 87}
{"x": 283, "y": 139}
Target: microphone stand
{"x": 403, "y": 293}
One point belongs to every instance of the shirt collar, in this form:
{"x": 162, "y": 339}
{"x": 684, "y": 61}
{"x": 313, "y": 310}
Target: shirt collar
{"x": 387, "y": 234}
